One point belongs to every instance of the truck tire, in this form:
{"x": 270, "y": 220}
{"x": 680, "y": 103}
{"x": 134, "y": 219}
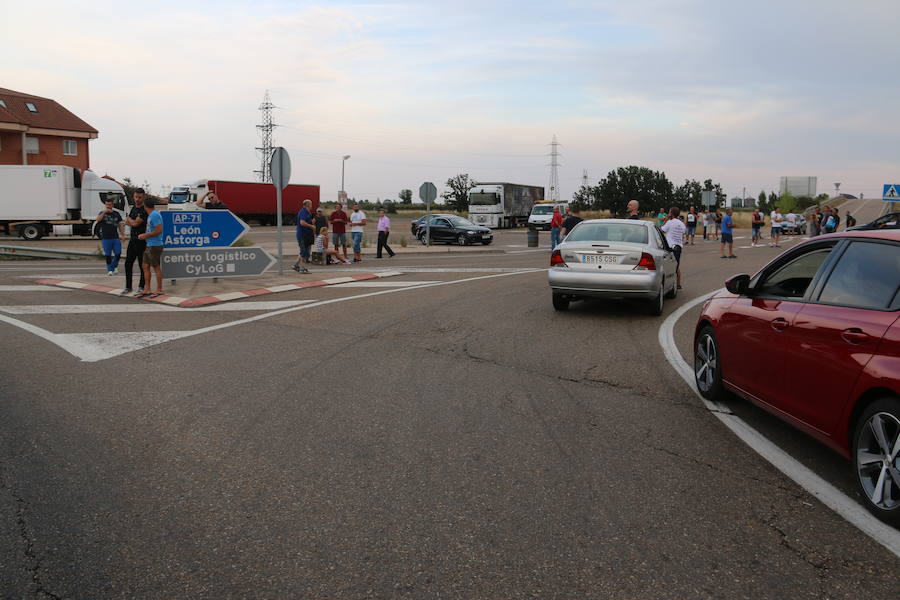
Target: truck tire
{"x": 32, "y": 231}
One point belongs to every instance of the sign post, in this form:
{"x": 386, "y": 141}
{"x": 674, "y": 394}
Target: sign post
{"x": 427, "y": 193}
{"x": 280, "y": 167}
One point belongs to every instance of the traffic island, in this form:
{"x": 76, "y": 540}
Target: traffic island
{"x": 205, "y": 292}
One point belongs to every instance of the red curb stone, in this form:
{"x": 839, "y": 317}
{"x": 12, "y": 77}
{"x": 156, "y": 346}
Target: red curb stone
{"x": 200, "y": 301}
{"x": 97, "y": 288}
{"x": 258, "y": 292}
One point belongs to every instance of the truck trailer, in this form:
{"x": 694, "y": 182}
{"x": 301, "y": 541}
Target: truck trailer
{"x": 39, "y": 200}
{"x": 249, "y": 200}
{"x": 499, "y": 204}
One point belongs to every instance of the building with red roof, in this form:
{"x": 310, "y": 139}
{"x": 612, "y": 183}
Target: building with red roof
{"x": 40, "y": 131}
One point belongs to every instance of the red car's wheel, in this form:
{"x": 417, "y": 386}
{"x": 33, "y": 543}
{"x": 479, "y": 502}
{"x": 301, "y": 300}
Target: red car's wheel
{"x": 707, "y": 366}
{"x": 876, "y": 458}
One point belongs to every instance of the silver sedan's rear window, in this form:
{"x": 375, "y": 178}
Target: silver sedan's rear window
{"x": 609, "y": 232}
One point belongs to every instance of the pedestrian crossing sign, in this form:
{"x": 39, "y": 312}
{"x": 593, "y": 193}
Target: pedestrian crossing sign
{"x": 891, "y": 192}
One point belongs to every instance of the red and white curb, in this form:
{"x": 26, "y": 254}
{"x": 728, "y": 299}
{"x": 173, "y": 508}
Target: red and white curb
{"x": 225, "y": 297}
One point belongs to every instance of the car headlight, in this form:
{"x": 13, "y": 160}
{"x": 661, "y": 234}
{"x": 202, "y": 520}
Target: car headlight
{"x": 472, "y": 232}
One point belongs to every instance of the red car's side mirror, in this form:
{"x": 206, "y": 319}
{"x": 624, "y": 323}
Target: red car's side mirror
{"x": 738, "y": 284}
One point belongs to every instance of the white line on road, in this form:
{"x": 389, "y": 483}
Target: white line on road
{"x": 826, "y": 493}
{"x": 92, "y": 347}
{"x": 383, "y": 284}
{"x": 84, "y": 309}
{"x": 29, "y": 288}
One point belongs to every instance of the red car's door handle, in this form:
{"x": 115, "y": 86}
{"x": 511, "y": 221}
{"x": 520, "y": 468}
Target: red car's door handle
{"x": 779, "y": 324}
{"x": 854, "y": 335}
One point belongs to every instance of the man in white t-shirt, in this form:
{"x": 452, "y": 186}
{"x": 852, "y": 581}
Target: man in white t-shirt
{"x": 791, "y": 219}
{"x": 357, "y": 226}
{"x": 776, "y": 219}
{"x": 675, "y": 230}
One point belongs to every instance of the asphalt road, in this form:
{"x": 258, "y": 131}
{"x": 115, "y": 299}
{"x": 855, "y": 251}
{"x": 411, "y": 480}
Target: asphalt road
{"x": 454, "y": 439}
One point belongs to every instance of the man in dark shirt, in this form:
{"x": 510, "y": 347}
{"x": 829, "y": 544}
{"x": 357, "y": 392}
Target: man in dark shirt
{"x": 210, "y": 201}
{"x": 632, "y": 209}
{"x": 305, "y": 236}
{"x": 339, "y": 220}
{"x": 112, "y": 232}
{"x": 571, "y": 221}
{"x": 137, "y": 221}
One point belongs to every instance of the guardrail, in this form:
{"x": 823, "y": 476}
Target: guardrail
{"x": 35, "y": 252}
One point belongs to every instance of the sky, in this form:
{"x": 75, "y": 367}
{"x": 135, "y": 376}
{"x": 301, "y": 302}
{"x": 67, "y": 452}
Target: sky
{"x": 739, "y": 92}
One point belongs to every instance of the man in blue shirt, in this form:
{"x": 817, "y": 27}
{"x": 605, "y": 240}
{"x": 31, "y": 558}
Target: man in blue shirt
{"x": 306, "y": 235}
{"x": 153, "y": 254}
{"x": 728, "y": 234}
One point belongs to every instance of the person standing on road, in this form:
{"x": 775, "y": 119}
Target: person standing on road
{"x": 632, "y": 208}
{"x": 556, "y": 222}
{"x": 837, "y": 219}
{"x": 728, "y": 234}
{"x": 710, "y": 224}
{"x": 756, "y": 222}
{"x": 384, "y": 230}
{"x": 306, "y": 236}
{"x": 339, "y": 222}
{"x": 851, "y": 222}
{"x": 153, "y": 236}
{"x": 813, "y": 223}
{"x": 691, "y": 224}
{"x": 137, "y": 221}
{"x": 718, "y": 223}
{"x": 776, "y": 220}
{"x": 320, "y": 219}
{"x": 112, "y": 232}
{"x": 357, "y": 227}
{"x": 675, "y": 231}
{"x": 570, "y": 222}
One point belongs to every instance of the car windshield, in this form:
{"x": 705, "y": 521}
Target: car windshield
{"x": 542, "y": 210}
{"x": 483, "y": 199}
{"x": 609, "y": 232}
{"x": 460, "y": 222}
{"x": 179, "y": 197}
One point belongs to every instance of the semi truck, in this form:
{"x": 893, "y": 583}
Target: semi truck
{"x": 499, "y": 205}
{"x": 249, "y": 200}
{"x": 41, "y": 200}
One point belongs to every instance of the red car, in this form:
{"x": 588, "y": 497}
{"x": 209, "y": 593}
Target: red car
{"x": 814, "y": 338}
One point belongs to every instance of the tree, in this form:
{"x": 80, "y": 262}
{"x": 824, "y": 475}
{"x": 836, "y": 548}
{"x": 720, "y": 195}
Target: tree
{"x": 652, "y": 190}
{"x": 457, "y": 197}
{"x": 787, "y": 203}
{"x": 584, "y": 198}
{"x": 688, "y": 194}
{"x": 405, "y": 196}
{"x": 709, "y": 186}
{"x": 761, "y": 201}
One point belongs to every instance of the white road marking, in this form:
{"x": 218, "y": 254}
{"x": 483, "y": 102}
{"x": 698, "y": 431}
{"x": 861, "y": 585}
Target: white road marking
{"x": 92, "y": 347}
{"x": 84, "y": 309}
{"x": 383, "y": 284}
{"x": 826, "y": 493}
{"x": 29, "y": 288}
{"x": 545, "y": 250}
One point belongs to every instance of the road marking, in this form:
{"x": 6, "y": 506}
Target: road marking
{"x": 545, "y": 250}
{"x": 84, "y": 309}
{"x": 383, "y": 284}
{"x": 826, "y": 493}
{"x": 92, "y": 347}
{"x": 29, "y": 288}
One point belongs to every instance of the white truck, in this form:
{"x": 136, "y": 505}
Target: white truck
{"x": 39, "y": 200}
{"x": 542, "y": 214}
{"x": 499, "y": 205}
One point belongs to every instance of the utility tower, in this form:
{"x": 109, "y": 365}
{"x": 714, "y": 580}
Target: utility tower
{"x": 265, "y": 131}
{"x": 554, "y": 170}
{"x": 584, "y": 179}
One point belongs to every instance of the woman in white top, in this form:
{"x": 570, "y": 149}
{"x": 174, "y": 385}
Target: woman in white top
{"x": 675, "y": 230}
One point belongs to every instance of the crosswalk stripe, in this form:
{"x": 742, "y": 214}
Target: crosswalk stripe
{"x": 78, "y": 309}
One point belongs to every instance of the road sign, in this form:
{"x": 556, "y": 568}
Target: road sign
{"x": 427, "y": 192}
{"x": 708, "y": 197}
{"x": 201, "y": 228}
{"x": 280, "y": 167}
{"x": 891, "y": 192}
{"x": 191, "y": 263}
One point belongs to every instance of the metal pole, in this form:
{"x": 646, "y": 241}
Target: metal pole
{"x": 280, "y": 249}
{"x": 343, "y": 162}
{"x": 428, "y": 223}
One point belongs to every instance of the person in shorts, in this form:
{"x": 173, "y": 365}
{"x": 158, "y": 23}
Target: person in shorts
{"x": 691, "y": 225}
{"x": 357, "y": 227}
{"x": 756, "y": 222}
{"x": 776, "y": 219}
{"x": 675, "y": 232}
{"x": 306, "y": 236}
{"x": 153, "y": 253}
{"x": 727, "y": 234}
{"x": 339, "y": 221}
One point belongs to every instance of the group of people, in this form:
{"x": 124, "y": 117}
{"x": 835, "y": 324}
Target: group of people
{"x": 561, "y": 224}
{"x": 313, "y": 238}
{"x": 145, "y": 243}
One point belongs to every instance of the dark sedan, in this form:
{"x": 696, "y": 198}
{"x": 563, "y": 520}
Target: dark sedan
{"x": 417, "y": 224}
{"x": 824, "y": 317}
{"x": 451, "y": 229}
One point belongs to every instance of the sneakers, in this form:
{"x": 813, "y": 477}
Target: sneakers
{"x": 109, "y": 273}
{"x": 116, "y": 270}
{"x": 127, "y": 291}
{"x": 140, "y": 290}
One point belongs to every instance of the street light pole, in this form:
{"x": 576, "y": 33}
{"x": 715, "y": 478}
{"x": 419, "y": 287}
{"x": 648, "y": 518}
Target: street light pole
{"x": 343, "y": 162}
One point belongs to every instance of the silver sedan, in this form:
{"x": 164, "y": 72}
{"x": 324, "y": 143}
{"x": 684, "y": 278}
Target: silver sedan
{"x": 613, "y": 258}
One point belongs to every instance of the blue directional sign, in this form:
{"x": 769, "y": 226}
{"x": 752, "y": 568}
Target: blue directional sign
{"x": 891, "y": 192}
{"x": 201, "y": 228}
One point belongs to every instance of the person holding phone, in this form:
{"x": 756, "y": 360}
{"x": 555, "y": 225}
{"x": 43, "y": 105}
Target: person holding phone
{"x": 112, "y": 232}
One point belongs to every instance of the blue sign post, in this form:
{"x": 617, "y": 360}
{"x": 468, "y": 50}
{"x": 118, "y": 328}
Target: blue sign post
{"x": 891, "y": 192}
{"x": 201, "y": 228}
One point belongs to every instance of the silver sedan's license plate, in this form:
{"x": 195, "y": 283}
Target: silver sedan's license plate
{"x": 599, "y": 258}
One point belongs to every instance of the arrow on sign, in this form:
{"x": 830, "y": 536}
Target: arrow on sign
{"x": 201, "y": 228}
{"x": 191, "y": 263}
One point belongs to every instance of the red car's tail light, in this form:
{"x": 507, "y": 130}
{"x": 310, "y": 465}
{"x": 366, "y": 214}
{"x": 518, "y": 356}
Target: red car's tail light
{"x": 646, "y": 264}
{"x": 556, "y": 259}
